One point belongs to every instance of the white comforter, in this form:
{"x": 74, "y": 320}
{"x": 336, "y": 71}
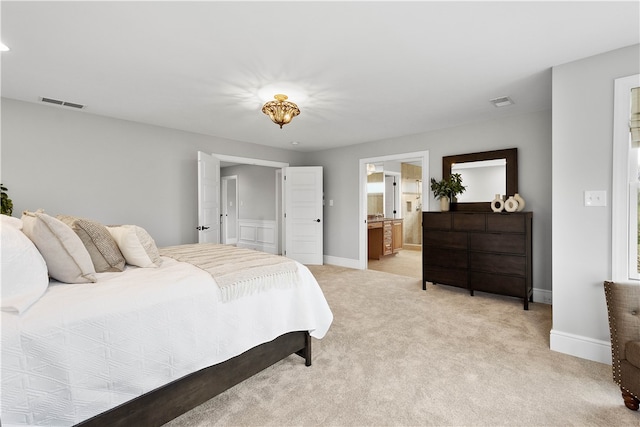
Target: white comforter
{"x": 83, "y": 349}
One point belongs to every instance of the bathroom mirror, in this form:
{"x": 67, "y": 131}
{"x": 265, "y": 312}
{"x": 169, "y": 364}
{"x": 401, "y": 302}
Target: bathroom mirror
{"x": 485, "y": 174}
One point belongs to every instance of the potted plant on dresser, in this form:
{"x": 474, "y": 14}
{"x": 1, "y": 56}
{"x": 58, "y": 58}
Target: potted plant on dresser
{"x": 447, "y": 190}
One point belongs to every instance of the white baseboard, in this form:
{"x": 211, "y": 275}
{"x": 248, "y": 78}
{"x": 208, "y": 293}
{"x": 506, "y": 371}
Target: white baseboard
{"x": 341, "y": 262}
{"x": 542, "y": 296}
{"x": 580, "y": 346}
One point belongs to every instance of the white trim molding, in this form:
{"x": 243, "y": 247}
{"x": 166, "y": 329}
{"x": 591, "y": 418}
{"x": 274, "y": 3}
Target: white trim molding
{"x": 620, "y": 178}
{"x": 342, "y": 262}
{"x": 580, "y": 346}
{"x": 256, "y": 234}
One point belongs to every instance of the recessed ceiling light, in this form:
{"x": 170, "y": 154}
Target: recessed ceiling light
{"x": 4, "y": 47}
{"x": 294, "y": 143}
{"x": 501, "y": 101}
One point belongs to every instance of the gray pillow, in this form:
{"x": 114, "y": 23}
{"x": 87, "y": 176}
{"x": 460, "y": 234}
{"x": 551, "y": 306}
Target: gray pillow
{"x": 104, "y": 251}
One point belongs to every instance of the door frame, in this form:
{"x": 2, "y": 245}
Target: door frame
{"x": 224, "y": 204}
{"x": 267, "y": 163}
{"x": 362, "y": 235}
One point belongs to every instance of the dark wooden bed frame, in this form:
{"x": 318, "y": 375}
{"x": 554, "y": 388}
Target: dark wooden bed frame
{"x": 165, "y": 403}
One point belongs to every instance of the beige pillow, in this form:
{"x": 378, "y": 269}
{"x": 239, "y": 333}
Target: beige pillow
{"x": 67, "y": 259}
{"x": 137, "y": 246}
{"x": 104, "y": 251}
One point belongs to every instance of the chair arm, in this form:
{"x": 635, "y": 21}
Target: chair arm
{"x": 623, "y": 306}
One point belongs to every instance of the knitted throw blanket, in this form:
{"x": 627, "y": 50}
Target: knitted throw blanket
{"x": 237, "y": 271}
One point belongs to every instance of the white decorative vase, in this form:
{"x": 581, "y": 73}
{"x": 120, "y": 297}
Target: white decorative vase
{"x": 511, "y": 204}
{"x": 520, "y": 201}
{"x": 497, "y": 204}
{"x": 444, "y": 204}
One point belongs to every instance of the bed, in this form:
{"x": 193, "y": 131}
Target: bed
{"x": 145, "y": 344}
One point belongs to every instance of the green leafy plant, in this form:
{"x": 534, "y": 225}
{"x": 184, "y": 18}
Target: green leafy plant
{"x": 448, "y": 188}
{"x": 7, "y": 204}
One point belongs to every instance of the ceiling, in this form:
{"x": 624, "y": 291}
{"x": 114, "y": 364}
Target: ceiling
{"x": 359, "y": 71}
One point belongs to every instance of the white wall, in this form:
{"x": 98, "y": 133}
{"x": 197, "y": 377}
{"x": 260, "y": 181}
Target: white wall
{"x": 113, "y": 171}
{"x": 256, "y": 191}
{"x": 582, "y": 160}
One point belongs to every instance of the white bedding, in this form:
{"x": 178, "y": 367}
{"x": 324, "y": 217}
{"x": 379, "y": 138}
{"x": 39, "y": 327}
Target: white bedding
{"x": 85, "y": 348}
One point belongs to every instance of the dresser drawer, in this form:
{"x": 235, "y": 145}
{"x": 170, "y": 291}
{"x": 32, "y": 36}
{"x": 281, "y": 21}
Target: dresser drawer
{"x": 446, "y": 276}
{"x": 496, "y": 242}
{"x": 507, "y": 223}
{"x": 436, "y": 220}
{"x": 445, "y": 239}
{"x": 469, "y": 222}
{"x": 494, "y": 263}
{"x": 503, "y": 285}
{"x": 444, "y": 257}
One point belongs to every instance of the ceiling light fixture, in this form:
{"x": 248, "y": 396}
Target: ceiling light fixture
{"x": 281, "y": 111}
{"x": 4, "y": 47}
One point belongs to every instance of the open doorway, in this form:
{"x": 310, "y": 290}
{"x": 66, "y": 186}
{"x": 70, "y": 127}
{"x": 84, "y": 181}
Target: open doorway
{"x": 393, "y": 196}
{"x": 259, "y": 220}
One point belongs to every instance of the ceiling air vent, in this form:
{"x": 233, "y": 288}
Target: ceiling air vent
{"x": 63, "y": 103}
{"x": 502, "y": 101}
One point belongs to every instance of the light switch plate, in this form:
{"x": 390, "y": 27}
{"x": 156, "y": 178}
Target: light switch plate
{"x": 595, "y": 198}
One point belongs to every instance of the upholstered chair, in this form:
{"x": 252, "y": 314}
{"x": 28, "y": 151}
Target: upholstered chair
{"x": 623, "y": 304}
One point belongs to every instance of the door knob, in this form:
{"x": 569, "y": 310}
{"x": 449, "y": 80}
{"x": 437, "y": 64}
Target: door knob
{"x": 318, "y": 220}
{"x": 201, "y": 228}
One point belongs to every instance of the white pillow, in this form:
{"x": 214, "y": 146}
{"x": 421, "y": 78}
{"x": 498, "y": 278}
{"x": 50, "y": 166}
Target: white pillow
{"x": 137, "y": 246}
{"x": 67, "y": 259}
{"x": 24, "y": 273}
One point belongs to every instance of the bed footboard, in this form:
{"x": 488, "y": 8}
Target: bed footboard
{"x": 169, "y": 401}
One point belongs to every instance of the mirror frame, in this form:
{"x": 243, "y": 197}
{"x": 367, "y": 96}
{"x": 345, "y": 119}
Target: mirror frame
{"x": 509, "y": 154}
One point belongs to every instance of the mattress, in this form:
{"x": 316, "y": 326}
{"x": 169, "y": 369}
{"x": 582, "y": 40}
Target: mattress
{"x": 85, "y": 348}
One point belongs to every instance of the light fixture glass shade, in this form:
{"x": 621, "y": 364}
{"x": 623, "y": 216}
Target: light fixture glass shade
{"x": 281, "y": 111}
{"x": 634, "y": 123}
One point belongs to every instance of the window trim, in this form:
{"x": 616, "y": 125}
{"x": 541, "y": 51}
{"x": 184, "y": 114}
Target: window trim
{"x": 620, "y": 257}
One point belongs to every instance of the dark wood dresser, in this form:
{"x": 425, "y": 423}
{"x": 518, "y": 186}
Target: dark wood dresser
{"x": 479, "y": 251}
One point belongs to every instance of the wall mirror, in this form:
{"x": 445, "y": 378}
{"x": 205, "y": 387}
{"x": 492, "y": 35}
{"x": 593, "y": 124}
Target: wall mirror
{"x": 485, "y": 174}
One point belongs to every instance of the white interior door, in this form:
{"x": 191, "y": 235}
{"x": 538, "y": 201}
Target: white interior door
{"x": 208, "y": 198}
{"x": 303, "y": 214}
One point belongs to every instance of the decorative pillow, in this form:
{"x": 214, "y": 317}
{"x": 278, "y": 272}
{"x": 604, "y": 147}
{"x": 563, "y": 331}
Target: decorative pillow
{"x": 137, "y": 246}
{"x": 67, "y": 259}
{"x": 24, "y": 272}
{"x": 104, "y": 251}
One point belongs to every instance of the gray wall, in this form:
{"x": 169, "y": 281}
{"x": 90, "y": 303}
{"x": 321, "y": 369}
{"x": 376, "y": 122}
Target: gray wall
{"x": 256, "y": 191}
{"x": 530, "y": 133}
{"x": 583, "y": 95}
{"x": 113, "y": 171}
{"x": 117, "y": 171}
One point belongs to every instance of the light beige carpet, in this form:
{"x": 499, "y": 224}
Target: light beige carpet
{"x": 405, "y": 263}
{"x": 397, "y": 355}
